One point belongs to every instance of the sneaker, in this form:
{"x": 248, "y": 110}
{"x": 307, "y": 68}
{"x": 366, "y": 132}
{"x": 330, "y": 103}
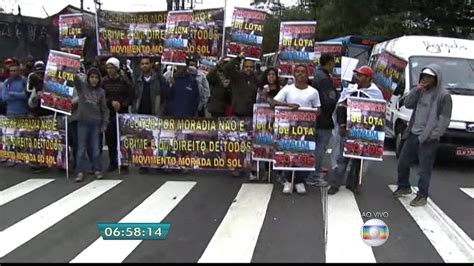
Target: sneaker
{"x": 252, "y": 177}
{"x": 354, "y": 189}
{"x": 79, "y": 177}
{"x": 124, "y": 170}
{"x": 418, "y": 201}
{"x": 400, "y": 192}
{"x": 236, "y": 174}
{"x": 300, "y": 189}
{"x": 287, "y": 188}
{"x": 333, "y": 190}
{"x": 319, "y": 182}
{"x": 98, "y": 175}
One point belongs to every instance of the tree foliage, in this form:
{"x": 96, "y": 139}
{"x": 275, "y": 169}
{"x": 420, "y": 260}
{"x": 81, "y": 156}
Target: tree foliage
{"x": 381, "y": 18}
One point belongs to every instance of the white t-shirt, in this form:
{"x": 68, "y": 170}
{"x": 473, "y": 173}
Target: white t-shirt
{"x": 308, "y": 97}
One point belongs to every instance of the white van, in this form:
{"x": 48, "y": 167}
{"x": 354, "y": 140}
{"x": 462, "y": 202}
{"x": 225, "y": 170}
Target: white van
{"x": 456, "y": 59}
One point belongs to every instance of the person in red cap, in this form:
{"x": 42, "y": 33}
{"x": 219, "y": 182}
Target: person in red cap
{"x": 364, "y": 88}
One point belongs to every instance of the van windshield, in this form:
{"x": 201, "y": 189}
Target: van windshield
{"x": 458, "y": 73}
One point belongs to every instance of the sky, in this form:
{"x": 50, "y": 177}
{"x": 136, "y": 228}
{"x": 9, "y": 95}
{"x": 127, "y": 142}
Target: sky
{"x": 34, "y": 8}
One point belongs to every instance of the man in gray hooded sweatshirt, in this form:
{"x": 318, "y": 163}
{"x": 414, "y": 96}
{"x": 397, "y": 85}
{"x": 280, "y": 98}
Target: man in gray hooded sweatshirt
{"x": 432, "y": 106}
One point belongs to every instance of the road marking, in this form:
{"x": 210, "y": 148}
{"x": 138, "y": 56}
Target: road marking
{"x": 344, "y": 243}
{"x": 451, "y": 242}
{"x": 26, "y": 229}
{"x": 152, "y": 210}
{"x": 21, "y": 189}
{"x": 237, "y": 235}
{"x": 385, "y": 153}
{"x": 469, "y": 192}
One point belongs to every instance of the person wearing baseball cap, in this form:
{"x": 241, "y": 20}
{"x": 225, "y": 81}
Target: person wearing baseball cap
{"x": 432, "y": 108}
{"x": 120, "y": 94}
{"x": 364, "y": 88}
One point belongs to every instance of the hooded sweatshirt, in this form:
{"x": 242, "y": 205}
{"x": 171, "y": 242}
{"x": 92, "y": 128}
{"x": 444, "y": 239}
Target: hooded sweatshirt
{"x": 432, "y": 110}
{"x": 92, "y": 106}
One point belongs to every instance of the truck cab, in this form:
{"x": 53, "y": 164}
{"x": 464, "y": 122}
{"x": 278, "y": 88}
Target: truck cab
{"x": 456, "y": 59}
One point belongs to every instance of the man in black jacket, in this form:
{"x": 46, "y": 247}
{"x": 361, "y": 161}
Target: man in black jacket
{"x": 244, "y": 86}
{"x": 327, "y": 94}
{"x": 147, "y": 93}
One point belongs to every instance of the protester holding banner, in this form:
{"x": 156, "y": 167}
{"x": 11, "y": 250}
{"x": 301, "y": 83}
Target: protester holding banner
{"x": 147, "y": 93}
{"x": 363, "y": 89}
{"x": 92, "y": 117}
{"x": 34, "y": 91}
{"x": 220, "y": 91}
{"x": 203, "y": 85}
{"x": 244, "y": 86}
{"x": 328, "y": 95}
{"x": 181, "y": 94}
{"x": 269, "y": 86}
{"x": 297, "y": 95}
{"x": 119, "y": 94}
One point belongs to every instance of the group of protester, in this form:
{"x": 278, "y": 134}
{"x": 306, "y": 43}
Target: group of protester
{"x": 231, "y": 88}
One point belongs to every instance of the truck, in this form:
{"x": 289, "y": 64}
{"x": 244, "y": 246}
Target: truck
{"x": 456, "y": 59}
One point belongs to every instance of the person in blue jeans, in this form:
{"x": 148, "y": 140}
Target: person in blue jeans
{"x": 92, "y": 118}
{"x": 328, "y": 96}
{"x": 432, "y": 108}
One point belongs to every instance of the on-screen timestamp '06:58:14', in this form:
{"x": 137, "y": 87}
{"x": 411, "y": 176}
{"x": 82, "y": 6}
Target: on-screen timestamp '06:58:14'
{"x": 133, "y": 231}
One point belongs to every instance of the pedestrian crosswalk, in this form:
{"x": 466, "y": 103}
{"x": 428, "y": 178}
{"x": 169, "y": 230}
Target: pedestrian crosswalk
{"x": 236, "y": 235}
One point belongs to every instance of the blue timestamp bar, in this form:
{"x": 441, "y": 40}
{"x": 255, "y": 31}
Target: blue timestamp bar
{"x": 133, "y": 231}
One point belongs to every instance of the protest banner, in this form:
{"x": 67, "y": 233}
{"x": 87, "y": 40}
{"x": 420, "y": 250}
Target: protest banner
{"x": 295, "y": 135}
{"x": 207, "y": 33}
{"x": 263, "y": 148}
{"x": 177, "y": 36}
{"x": 246, "y": 33}
{"x": 388, "y": 73}
{"x": 59, "y": 77}
{"x": 365, "y": 129}
{"x": 131, "y": 34}
{"x": 296, "y": 46}
{"x": 71, "y": 34}
{"x": 194, "y": 143}
{"x": 36, "y": 141}
{"x": 334, "y": 49}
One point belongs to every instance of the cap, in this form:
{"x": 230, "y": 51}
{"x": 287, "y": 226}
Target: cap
{"x": 38, "y": 66}
{"x": 365, "y": 70}
{"x": 114, "y": 61}
{"x": 428, "y": 71}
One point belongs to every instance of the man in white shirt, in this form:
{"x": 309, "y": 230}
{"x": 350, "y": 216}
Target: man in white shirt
{"x": 299, "y": 94}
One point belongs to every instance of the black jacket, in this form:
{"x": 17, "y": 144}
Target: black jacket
{"x": 244, "y": 89}
{"x": 327, "y": 95}
{"x": 220, "y": 94}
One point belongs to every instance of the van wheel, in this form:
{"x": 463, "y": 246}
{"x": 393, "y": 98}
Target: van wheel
{"x": 398, "y": 140}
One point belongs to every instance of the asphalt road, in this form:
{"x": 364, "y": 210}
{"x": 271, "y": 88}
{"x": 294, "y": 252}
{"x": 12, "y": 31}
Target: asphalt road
{"x": 222, "y": 218}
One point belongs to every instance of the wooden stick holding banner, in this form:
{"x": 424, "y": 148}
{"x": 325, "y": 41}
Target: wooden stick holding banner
{"x": 361, "y": 171}
{"x": 292, "y": 181}
{"x": 269, "y": 172}
{"x": 258, "y": 170}
{"x": 119, "y": 154}
{"x": 67, "y": 148}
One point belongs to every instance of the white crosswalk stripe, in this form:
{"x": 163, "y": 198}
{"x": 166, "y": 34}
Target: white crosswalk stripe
{"x": 238, "y": 235}
{"x": 344, "y": 216}
{"x": 153, "y": 210}
{"x": 452, "y": 244}
{"x": 26, "y": 229}
{"x": 21, "y": 189}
